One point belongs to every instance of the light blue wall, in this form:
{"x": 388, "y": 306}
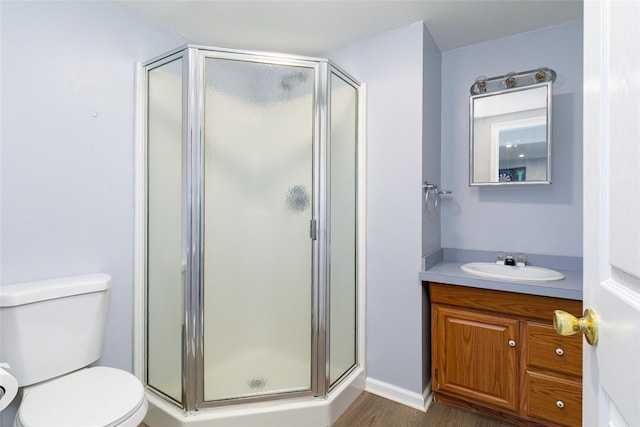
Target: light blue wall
{"x": 431, "y": 171}
{"x": 431, "y": 138}
{"x": 67, "y": 177}
{"x": 393, "y": 65}
{"x": 533, "y": 219}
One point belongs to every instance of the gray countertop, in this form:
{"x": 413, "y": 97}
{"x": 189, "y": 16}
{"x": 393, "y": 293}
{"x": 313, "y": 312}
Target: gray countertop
{"x": 448, "y": 271}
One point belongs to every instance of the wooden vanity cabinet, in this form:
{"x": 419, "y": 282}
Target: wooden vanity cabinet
{"x": 472, "y": 358}
{"x": 497, "y": 353}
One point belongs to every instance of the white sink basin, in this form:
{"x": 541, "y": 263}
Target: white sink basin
{"x": 509, "y": 272}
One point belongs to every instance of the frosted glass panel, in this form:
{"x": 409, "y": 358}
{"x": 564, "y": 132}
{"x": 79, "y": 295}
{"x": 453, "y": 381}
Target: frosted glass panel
{"x": 342, "y": 339}
{"x": 164, "y": 230}
{"x": 257, "y": 250}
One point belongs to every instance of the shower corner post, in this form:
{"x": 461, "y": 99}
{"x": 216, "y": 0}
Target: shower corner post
{"x": 362, "y": 224}
{"x": 140, "y": 214}
{"x": 320, "y": 377}
{"x": 193, "y": 207}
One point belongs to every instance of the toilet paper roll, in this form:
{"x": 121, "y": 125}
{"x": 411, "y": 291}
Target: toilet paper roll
{"x": 9, "y": 386}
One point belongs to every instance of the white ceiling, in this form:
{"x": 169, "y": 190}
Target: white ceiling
{"x": 310, "y": 27}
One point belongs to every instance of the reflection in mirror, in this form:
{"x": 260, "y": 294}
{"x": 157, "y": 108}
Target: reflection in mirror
{"x": 510, "y": 136}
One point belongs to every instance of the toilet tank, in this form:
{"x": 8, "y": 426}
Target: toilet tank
{"x": 52, "y": 327}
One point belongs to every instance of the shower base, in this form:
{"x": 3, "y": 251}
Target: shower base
{"x": 310, "y": 412}
{"x": 255, "y": 373}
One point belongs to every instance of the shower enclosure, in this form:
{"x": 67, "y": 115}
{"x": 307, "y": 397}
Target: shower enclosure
{"x": 251, "y": 226}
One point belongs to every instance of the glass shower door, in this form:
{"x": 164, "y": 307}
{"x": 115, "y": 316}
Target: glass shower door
{"x": 258, "y": 204}
{"x": 165, "y": 308}
{"x": 343, "y": 227}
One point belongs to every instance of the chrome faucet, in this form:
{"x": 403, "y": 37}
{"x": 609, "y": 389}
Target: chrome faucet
{"x": 518, "y": 261}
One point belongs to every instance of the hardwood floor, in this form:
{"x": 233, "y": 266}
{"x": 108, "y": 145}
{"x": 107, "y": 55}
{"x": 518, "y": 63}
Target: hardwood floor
{"x": 370, "y": 410}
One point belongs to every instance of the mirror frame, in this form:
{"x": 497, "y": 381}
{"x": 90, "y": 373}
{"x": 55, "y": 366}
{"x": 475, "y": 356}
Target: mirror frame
{"x": 472, "y": 100}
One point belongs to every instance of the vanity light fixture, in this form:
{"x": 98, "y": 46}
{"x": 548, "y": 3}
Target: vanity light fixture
{"x": 481, "y": 84}
{"x": 512, "y": 80}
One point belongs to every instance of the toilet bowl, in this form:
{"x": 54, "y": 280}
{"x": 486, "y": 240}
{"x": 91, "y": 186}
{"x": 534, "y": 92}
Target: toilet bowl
{"x": 91, "y": 397}
{"x": 51, "y": 336}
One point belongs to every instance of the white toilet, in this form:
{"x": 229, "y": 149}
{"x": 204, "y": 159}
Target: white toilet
{"x": 51, "y": 331}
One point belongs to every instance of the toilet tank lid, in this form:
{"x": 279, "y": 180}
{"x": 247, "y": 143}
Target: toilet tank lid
{"x": 17, "y": 294}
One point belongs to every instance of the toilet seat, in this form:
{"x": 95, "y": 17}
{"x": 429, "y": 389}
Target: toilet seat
{"x": 92, "y": 397}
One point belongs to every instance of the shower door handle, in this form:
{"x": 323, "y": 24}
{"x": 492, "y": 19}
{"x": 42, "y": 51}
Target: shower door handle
{"x": 313, "y": 229}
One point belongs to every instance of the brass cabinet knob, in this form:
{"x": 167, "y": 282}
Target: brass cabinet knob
{"x": 566, "y": 324}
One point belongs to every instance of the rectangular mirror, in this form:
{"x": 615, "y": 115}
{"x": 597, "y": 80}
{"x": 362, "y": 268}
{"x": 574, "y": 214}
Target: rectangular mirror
{"x": 510, "y": 136}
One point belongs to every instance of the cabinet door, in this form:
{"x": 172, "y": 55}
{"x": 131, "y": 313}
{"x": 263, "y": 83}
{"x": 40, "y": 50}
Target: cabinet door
{"x": 476, "y": 356}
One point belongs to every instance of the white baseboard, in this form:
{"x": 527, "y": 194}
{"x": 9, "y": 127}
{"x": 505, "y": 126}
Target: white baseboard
{"x": 400, "y": 395}
{"x": 427, "y": 397}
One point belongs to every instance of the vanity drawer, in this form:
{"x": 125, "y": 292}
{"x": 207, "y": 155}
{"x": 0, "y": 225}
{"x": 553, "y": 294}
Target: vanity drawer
{"x": 547, "y": 350}
{"x": 554, "y": 399}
